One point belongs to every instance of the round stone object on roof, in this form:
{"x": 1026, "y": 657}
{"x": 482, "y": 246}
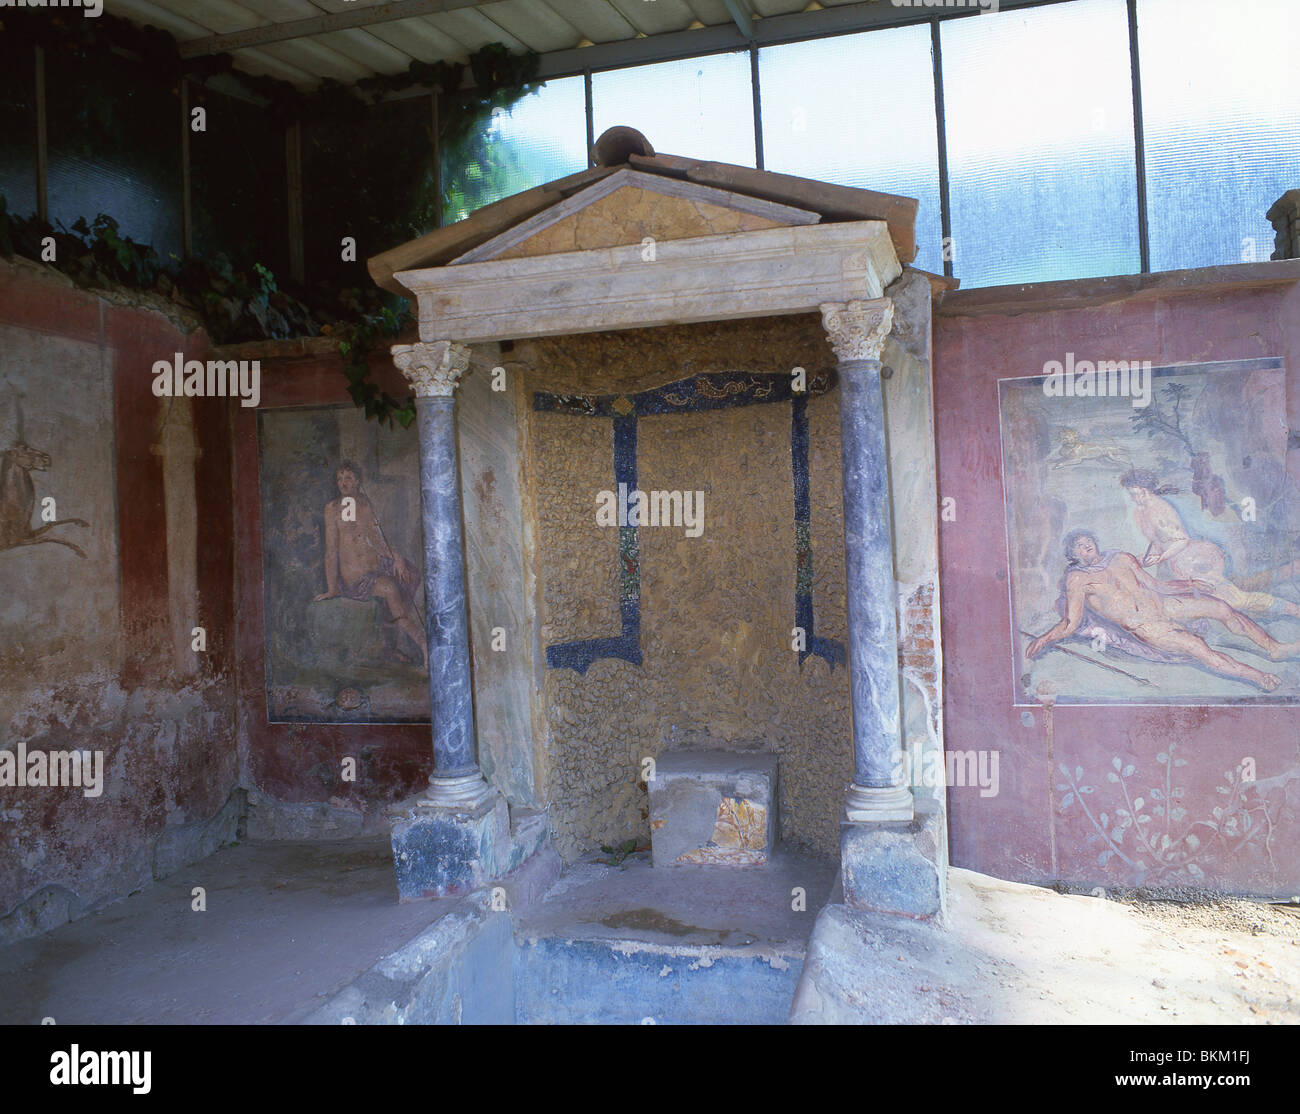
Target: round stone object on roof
{"x": 617, "y": 143}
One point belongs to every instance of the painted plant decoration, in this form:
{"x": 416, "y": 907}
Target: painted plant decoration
{"x": 1153, "y": 833}
{"x": 1153, "y": 536}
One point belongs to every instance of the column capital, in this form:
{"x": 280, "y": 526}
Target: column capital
{"x": 433, "y": 368}
{"x": 857, "y": 330}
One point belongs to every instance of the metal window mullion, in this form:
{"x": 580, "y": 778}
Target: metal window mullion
{"x": 42, "y": 141}
{"x": 1139, "y": 141}
{"x": 591, "y": 118}
{"x": 756, "y": 90}
{"x": 941, "y": 134}
{"x": 439, "y": 217}
{"x": 187, "y": 212}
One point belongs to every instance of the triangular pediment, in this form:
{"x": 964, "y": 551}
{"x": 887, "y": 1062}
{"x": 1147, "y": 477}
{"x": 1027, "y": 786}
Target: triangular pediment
{"x": 629, "y": 207}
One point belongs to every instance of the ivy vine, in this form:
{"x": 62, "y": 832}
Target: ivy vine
{"x": 238, "y": 303}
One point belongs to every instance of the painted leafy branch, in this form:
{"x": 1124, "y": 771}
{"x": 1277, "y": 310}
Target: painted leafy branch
{"x": 1149, "y": 833}
{"x": 1155, "y": 419}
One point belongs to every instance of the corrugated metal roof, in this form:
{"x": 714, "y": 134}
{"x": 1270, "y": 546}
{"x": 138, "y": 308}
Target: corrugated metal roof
{"x": 303, "y": 41}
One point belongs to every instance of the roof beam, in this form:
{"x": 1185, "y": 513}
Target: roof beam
{"x": 320, "y": 24}
{"x": 743, "y": 16}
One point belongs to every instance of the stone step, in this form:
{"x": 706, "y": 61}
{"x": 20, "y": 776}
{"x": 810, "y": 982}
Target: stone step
{"x": 713, "y": 808}
{"x": 634, "y": 980}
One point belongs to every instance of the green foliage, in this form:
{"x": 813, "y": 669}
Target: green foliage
{"x": 247, "y": 303}
{"x": 236, "y": 304}
{"x": 357, "y": 337}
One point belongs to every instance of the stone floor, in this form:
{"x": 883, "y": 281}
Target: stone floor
{"x": 636, "y": 944}
{"x": 286, "y": 925}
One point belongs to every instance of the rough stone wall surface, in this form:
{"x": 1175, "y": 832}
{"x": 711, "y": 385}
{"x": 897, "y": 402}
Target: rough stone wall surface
{"x": 909, "y": 416}
{"x": 95, "y": 650}
{"x": 717, "y": 610}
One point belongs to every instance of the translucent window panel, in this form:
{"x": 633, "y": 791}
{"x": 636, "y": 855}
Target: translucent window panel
{"x": 540, "y": 138}
{"x": 1221, "y": 115}
{"x": 849, "y": 131}
{"x": 114, "y": 137}
{"x": 18, "y": 126}
{"x": 1041, "y": 160}
{"x": 699, "y": 107}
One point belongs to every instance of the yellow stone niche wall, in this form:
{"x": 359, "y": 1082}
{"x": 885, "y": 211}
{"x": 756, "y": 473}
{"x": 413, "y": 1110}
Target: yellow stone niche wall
{"x": 717, "y": 611}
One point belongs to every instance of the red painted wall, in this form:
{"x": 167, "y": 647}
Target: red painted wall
{"x": 1009, "y": 835}
{"x": 168, "y": 739}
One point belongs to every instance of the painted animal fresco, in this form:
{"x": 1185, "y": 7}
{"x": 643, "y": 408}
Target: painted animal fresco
{"x": 342, "y": 577}
{"x": 1154, "y": 542}
{"x": 18, "y": 497}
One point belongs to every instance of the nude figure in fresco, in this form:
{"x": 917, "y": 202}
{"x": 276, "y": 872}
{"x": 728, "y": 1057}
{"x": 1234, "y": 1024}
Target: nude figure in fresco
{"x": 361, "y": 565}
{"x": 1111, "y": 595}
{"x": 1189, "y": 558}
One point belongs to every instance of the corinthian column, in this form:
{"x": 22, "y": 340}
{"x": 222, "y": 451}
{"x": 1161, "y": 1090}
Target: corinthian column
{"x": 434, "y": 371}
{"x": 857, "y": 332}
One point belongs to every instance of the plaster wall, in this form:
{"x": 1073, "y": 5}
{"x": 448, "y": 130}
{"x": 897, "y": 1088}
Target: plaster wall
{"x": 95, "y": 650}
{"x": 981, "y": 337}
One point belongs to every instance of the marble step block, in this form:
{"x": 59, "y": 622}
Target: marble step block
{"x": 712, "y": 807}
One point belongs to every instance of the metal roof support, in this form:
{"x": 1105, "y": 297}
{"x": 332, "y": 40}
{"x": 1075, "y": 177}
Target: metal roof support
{"x": 841, "y": 20}
{"x": 320, "y": 24}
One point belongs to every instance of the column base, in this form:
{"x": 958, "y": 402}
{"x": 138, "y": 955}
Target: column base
{"x": 863, "y": 804}
{"x": 899, "y": 867}
{"x": 464, "y": 792}
{"x": 448, "y": 849}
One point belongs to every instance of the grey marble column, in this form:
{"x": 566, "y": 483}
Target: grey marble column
{"x": 857, "y": 332}
{"x": 434, "y": 370}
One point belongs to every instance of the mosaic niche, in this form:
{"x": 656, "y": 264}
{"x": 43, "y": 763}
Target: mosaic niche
{"x": 712, "y": 391}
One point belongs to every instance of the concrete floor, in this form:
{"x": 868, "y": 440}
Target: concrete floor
{"x": 286, "y": 925}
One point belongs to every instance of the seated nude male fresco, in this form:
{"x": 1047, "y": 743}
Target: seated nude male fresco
{"x": 361, "y": 565}
{"x": 1111, "y": 592}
